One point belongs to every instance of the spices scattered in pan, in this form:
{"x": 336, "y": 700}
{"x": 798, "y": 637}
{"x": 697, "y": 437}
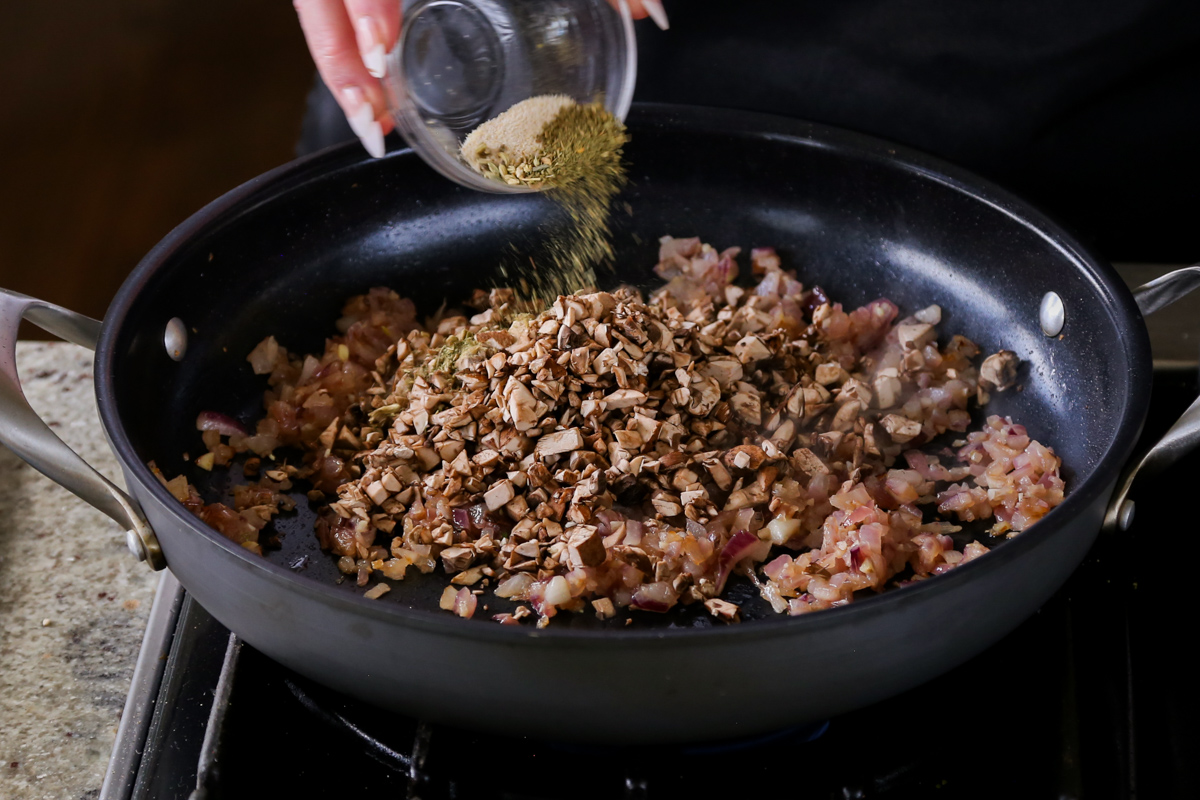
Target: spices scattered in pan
{"x": 620, "y": 452}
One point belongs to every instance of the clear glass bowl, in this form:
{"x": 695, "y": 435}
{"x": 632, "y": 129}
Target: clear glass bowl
{"x": 459, "y": 63}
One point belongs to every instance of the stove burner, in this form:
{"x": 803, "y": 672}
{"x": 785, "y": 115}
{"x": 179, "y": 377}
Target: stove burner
{"x": 378, "y": 750}
{"x": 337, "y": 711}
{"x": 798, "y": 734}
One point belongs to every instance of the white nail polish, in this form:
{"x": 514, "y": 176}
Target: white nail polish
{"x": 361, "y": 117}
{"x": 372, "y": 139}
{"x": 370, "y": 45}
{"x": 375, "y": 61}
{"x": 657, "y": 13}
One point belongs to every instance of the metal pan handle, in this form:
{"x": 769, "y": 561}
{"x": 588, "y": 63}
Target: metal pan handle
{"x": 1184, "y": 435}
{"x": 24, "y": 432}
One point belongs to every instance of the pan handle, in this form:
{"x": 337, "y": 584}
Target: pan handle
{"x": 1184, "y": 435}
{"x": 24, "y": 432}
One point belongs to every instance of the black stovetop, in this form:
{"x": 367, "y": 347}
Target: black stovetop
{"x": 1092, "y": 697}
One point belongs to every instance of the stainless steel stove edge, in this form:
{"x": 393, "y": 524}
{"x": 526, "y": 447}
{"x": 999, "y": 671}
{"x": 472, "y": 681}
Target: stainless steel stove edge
{"x": 143, "y": 690}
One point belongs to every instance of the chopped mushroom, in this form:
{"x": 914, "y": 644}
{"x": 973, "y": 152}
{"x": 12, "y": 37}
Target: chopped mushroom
{"x": 499, "y": 495}
{"x": 456, "y": 559}
{"x": 901, "y": 429}
{"x": 559, "y": 442}
{"x": 586, "y": 547}
{"x": 604, "y": 608}
{"x": 722, "y": 609}
{"x": 999, "y": 371}
{"x": 751, "y": 349}
{"x": 915, "y": 336}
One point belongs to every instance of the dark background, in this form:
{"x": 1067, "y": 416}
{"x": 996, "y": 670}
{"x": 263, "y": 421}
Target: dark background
{"x": 120, "y": 118}
{"x": 1090, "y": 109}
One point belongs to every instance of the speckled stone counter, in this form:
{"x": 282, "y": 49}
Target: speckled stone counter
{"x": 73, "y": 602}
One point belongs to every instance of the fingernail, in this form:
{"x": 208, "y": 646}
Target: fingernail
{"x": 370, "y": 45}
{"x": 361, "y": 117}
{"x": 657, "y": 13}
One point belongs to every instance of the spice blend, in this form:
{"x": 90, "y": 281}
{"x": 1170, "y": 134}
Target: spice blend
{"x": 574, "y": 153}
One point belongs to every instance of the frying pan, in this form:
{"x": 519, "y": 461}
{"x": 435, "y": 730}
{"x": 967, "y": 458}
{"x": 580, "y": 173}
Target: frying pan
{"x": 863, "y": 218}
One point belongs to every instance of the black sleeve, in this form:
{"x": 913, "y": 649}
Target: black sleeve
{"x": 1088, "y": 107}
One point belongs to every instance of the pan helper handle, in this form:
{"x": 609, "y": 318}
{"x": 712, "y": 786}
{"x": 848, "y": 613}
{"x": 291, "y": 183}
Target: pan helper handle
{"x": 24, "y": 432}
{"x": 1184, "y": 435}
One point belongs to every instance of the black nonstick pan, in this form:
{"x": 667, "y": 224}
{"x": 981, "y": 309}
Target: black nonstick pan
{"x": 860, "y": 217}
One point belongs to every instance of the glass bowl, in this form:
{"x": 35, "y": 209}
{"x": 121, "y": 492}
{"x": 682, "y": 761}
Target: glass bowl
{"x": 459, "y": 63}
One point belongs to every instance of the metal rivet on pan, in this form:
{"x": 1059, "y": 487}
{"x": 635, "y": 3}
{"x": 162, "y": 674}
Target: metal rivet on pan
{"x": 134, "y": 543}
{"x": 1125, "y": 515}
{"x": 1052, "y": 315}
{"x": 175, "y": 339}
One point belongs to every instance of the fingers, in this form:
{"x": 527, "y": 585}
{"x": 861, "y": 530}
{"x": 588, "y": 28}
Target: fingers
{"x": 349, "y": 41}
{"x": 650, "y": 8}
{"x": 334, "y": 48}
{"x": 376, "y": 27}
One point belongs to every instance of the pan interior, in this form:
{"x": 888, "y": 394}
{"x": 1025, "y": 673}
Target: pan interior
{"x": 844, "y": 212}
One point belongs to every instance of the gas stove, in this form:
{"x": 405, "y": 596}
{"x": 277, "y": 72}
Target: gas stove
{"x": 1090, "y": 697}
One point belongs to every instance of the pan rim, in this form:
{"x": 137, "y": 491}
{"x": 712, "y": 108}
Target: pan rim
{"x": 270, "y": 186}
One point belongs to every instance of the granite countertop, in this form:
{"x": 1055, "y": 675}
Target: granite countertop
{"x": 73, "y": 602}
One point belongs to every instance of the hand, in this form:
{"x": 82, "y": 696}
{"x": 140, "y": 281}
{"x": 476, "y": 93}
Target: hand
{"x": 640, "y": 9}
{"x": 349, "y": 41}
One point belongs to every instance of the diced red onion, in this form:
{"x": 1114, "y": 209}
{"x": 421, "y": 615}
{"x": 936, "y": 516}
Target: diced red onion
{"x": 855, "y": 557}
{"x": 515, "y": 586}
{"x": 742, "y": 545}
{"x": 859, "y": 514}
{"x": 222, "y": 424}
{"x": 464, "y": 603}
{"x": 769, "y": 285}
{"x": 657, "y": 597}
{"x": 557, "y": 592}
{"x": 782, "y": 529}
{"x": 871, "y": 537}
{"x": 263, "y": 357}
{"x": 744, "y": 521}
{"x": 773, "y": 569}
{"x": 816, "y": 299}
